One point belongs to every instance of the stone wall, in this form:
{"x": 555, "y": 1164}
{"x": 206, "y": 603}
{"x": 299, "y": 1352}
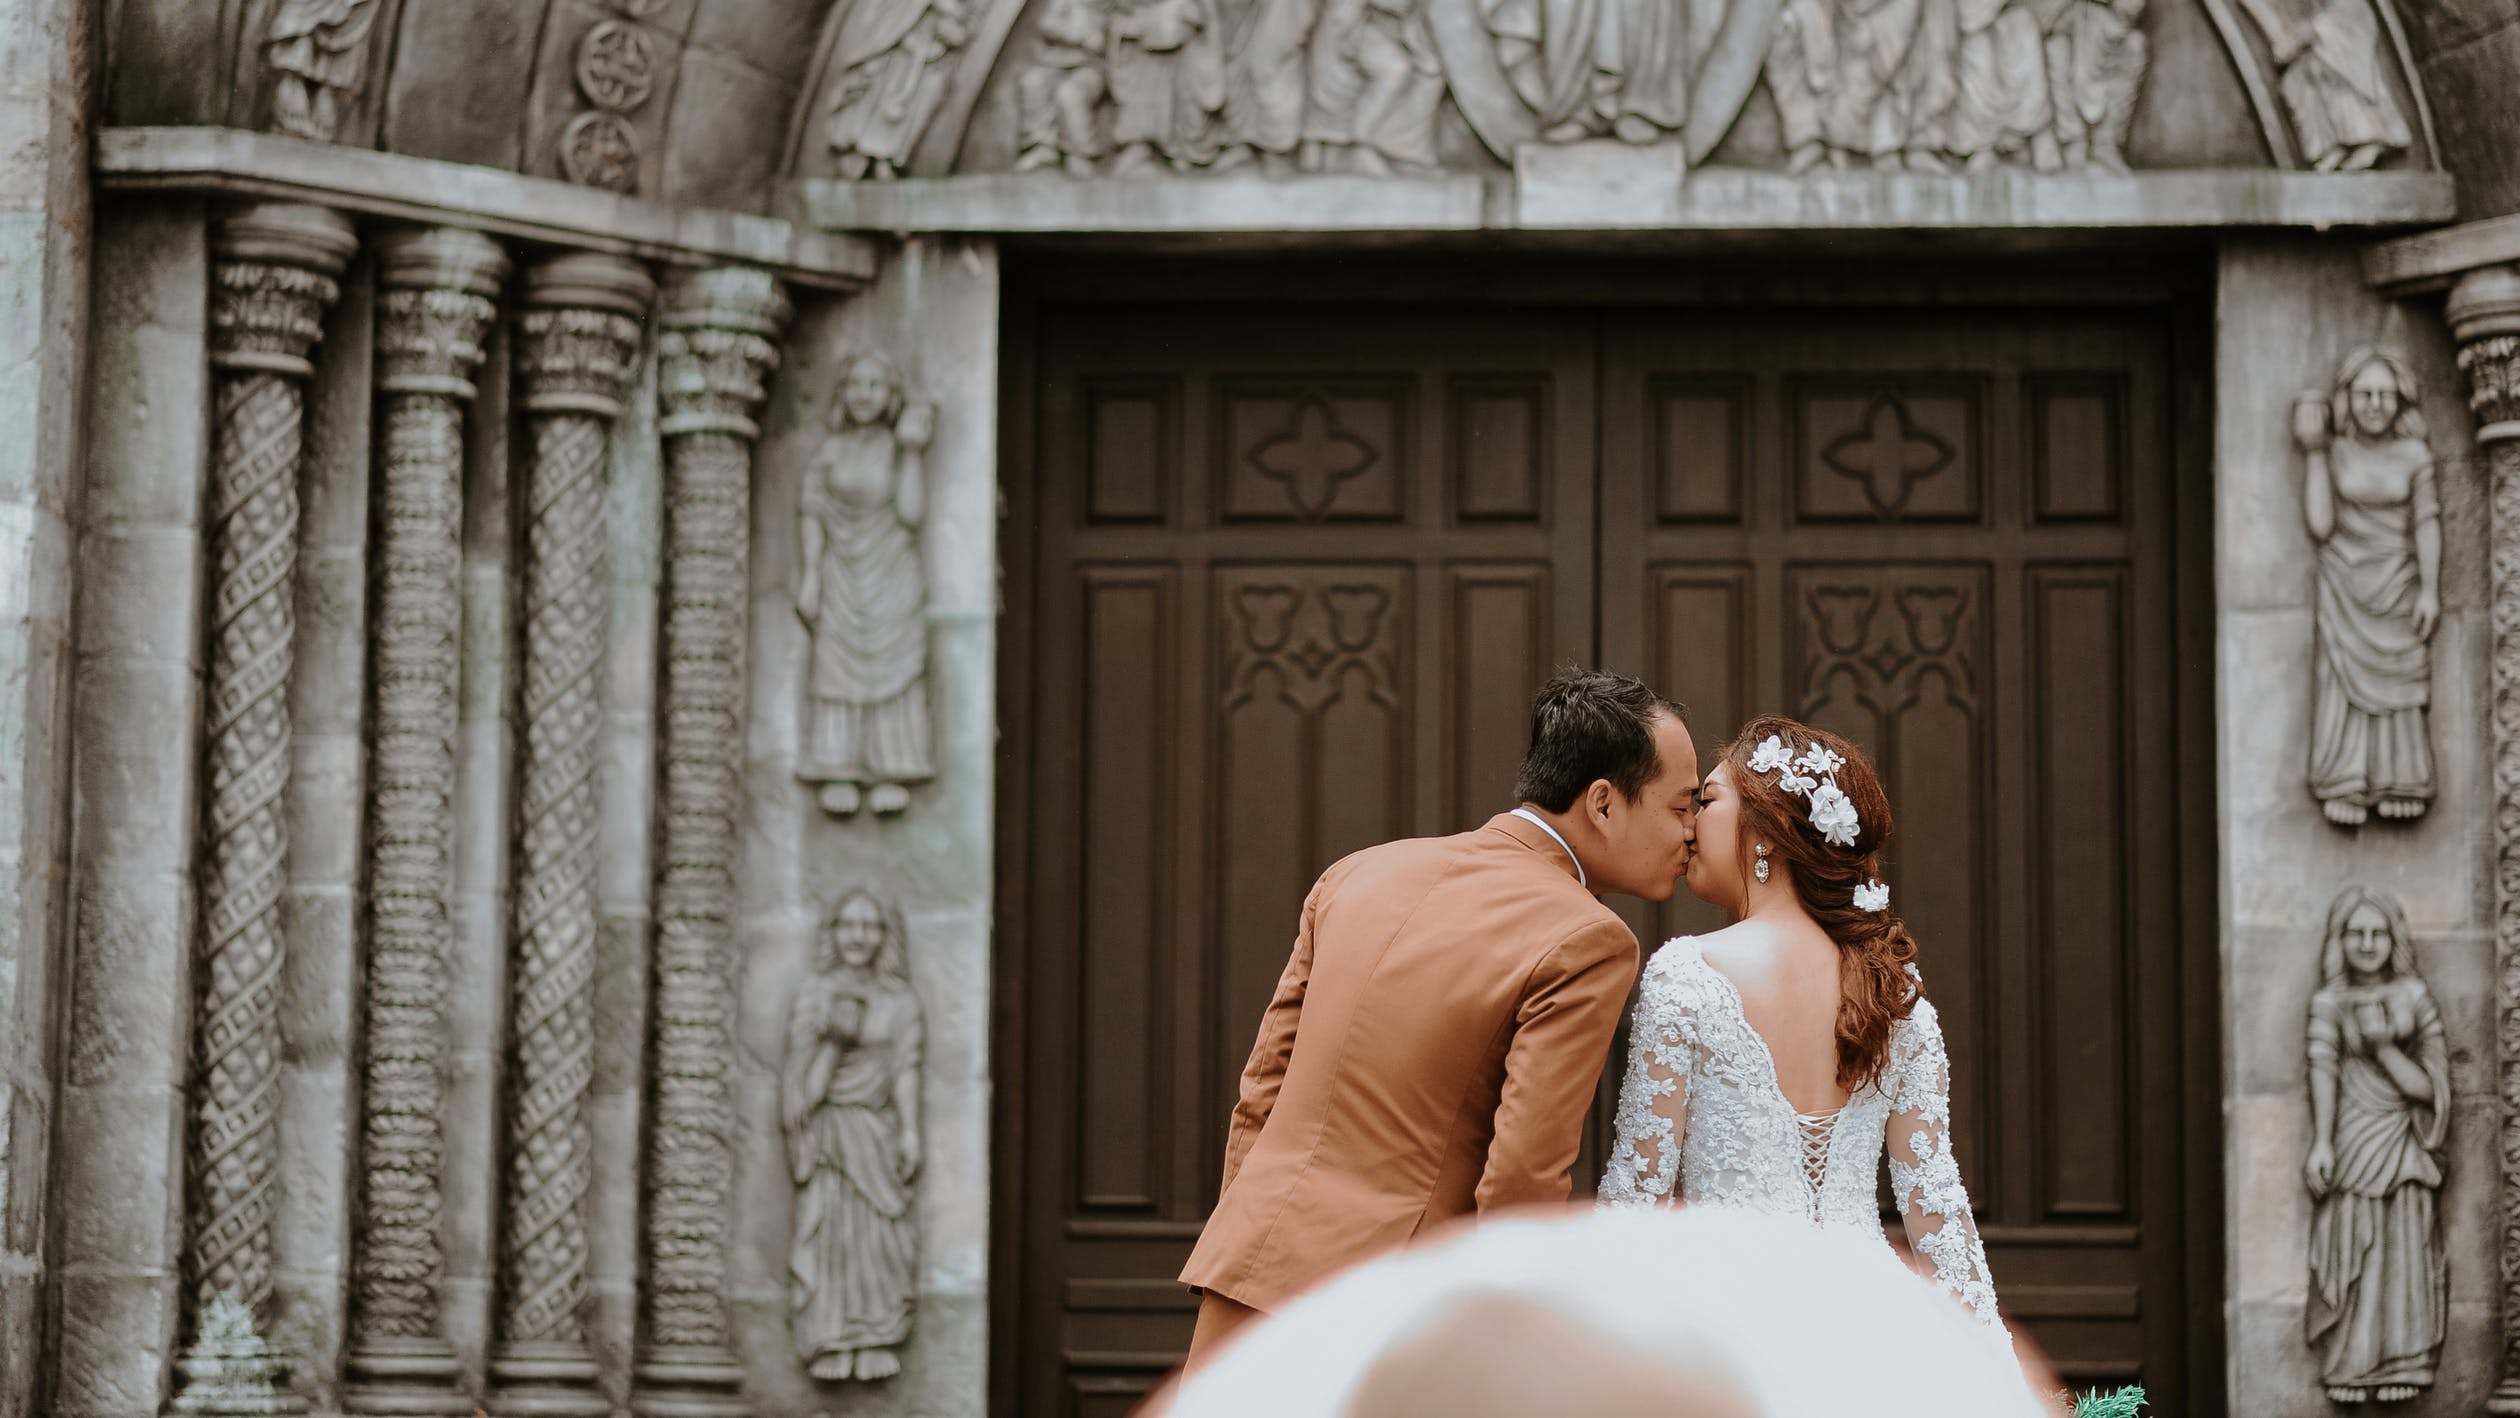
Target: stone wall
{"x": 2288, "y": 312}
{"x": 2467, "y": 52}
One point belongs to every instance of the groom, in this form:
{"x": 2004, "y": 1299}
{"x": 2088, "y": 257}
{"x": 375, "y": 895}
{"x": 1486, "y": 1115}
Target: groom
{"x": 1433, "y": 1046}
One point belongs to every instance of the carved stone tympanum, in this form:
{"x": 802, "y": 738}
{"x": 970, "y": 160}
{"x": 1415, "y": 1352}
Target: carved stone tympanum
{"x": 317, "y": 52}
{"x": 2375, "y": 515}
{"x": 2379, "y": 1114}
{"x": 893, "y": 58}
{"x": 2484, "y": 313}
{"x": 862, "y": 592}
{"x": 273, "y": 276}
{"x": 438, "y": 297}
{"x": 578, "y": 346}
{"x": 849, "y": 1099}
{"x": 2335, "y": 82}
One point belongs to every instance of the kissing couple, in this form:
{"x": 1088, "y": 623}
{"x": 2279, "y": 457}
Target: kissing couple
{"x": 1432, "y": 1050}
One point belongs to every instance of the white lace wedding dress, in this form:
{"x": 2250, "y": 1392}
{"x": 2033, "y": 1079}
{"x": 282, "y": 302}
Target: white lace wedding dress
{"x": 1701, "y": 1115}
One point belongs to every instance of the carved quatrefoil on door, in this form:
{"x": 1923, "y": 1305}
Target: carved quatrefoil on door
{"x": 1312, "y": 634}
{"x": 1888, "y": 454}
{"x": 1311, "y": 456}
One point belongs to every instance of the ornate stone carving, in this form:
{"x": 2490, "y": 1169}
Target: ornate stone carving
{"x": 863, "y": 594}
{"x": 2379, "y": 1115}
{"x": 1167, "y": 76}
{"x": 1589, "y": 68}
{"x": 579, "y": 345}
{"x": 893, "y": 58}
{"x": 438, "y": 294}
{"x": 849, "y": 1099}
{"x": 1060, "y": 92}
{"x": 2484, "y": 316}
{"x": 317, "y": 52}
{"x": 717, "y": 347}
{"x": 272, "y": 279}
{"x": 616, "y": 68}
{"x": 2335, "y": 83}
{"x": 2375, "y": 515}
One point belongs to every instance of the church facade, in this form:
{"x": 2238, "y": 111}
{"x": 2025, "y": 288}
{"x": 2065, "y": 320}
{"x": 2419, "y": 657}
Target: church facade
{"x": 674, "y": 670}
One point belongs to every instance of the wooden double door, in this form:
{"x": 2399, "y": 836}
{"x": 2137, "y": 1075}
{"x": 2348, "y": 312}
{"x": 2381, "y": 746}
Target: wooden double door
{"x": 1292, "y": 576}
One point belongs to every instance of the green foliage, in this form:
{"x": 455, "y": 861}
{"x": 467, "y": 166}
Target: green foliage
{"x": 2127, "y": 1402}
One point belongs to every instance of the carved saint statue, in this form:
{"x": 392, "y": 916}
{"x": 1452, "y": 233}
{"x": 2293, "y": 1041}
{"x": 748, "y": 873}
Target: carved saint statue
{"x": 2379, "y": 1113}
{"x": 317, "y": 52}
{"x": 863, "y": 594}
{"x": 2334, "y": 85}
{"x": 1265, "y": 83}
{"x": 1166, "y": 69}
{"x": 893, "y": 58}
{"x": 2004, "y": 104}
{"x": 2097, "y": 54}
{"x": 1058, "y": 96}
{"x": 1588, "y": 67}
{"x": 1377, "y": 85}
{"x": 2369, "y": 497}
{"x": 849, "y": 1100}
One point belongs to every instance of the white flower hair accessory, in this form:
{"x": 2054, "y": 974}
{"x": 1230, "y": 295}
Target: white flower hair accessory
{"x": 1833, "y": 812}
{"x": 1872, "y": 896}
{"x": 1813, "y": 775}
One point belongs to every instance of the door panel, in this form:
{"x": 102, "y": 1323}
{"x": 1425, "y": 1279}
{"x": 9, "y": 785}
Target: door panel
{"x": 1295, "y": 573}
{"x": 1951, "y": 544}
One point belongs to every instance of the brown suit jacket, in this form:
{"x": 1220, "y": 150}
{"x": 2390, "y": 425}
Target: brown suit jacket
{"x": 1431, "y": 1051}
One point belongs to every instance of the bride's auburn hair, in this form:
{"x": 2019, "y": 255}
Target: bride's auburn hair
{"x": 1875, "y": 990}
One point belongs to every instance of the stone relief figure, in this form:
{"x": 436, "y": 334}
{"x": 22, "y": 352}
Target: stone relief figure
{"x": 1166, "y": 70}
{"x": 1059, "y": 95}
{"x": 1376, "y": 86}
{"x": 2333, "y": 85}
{"x": 2097, "y": 55}
{"x": 849, "y": 1100}
{"x": 893, "y": 58}
{"x": 317, "y": 51}
{"x": 863, "y": 594}
{"x": 1801, "y": 76}
{"x": 1589, "y": 67}
{"x": 1913, "y": 129}
{"x": 2379, "y": 1113}
{"x": 2004, "y": 104}
{"x": 1265, "y": 84}
{"x": 2369, "y": 497}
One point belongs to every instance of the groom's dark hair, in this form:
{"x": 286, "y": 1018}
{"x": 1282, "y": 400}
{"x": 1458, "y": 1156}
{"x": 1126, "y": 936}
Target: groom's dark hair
{"x": 1588, "y": 725}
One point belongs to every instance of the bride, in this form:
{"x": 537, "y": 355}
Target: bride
{"x": 1772, "y": 1063}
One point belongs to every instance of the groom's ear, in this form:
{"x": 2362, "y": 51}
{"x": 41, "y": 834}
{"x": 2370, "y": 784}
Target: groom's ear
{"x": 1597, "y": 799}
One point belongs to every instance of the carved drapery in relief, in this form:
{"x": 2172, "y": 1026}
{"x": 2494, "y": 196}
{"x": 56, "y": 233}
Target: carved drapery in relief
{"x": 2484, "y": 316}
{"x": 273, "y": 276}
{"x": 579, "y": 345}
{"x": 717, "y": 348}
{"x": 439, "y": 293}
{"x": 849, "y": 1101}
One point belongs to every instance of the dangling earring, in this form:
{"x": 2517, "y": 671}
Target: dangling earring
{"x": 1759, "y": 868}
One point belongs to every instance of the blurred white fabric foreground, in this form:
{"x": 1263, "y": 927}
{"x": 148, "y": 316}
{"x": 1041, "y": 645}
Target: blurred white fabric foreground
{"x": 1696, "y": 1313}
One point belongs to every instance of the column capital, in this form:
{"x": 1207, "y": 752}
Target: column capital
{"x": 719, "y": 343}
{"x": 582, "y": 314}
{"x": 2484, "y": 314}
{"x": 275, "y": 271}
{"x": 438, "y": 292}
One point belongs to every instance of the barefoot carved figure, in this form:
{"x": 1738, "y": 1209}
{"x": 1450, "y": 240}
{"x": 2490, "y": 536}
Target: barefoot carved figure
{"x": 2375, "y": 515}
{"x": 863, "y": 595}
{"x": 849, "y": 1096}
{"x": 2379, "y": 1113}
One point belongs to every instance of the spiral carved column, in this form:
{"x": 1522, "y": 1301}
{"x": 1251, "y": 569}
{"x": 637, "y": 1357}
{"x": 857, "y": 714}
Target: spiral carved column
{"x": 2485, "y": 319}
{"x": 273, "y": 276}
{"x": 579, "y": 344}
{"x": 717, "y": 346}
{"x": 438, "y": 297}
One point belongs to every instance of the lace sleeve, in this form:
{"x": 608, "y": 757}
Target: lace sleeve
{"x": 1654, "y": 1101}
{"x": 1925, "y": 1177}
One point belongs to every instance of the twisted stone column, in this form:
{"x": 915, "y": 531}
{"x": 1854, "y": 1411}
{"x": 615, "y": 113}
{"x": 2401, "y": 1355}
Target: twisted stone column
{"x": 438, "y": 294}
{"x": 2485, "y": 319}
{"x": 272, "y": 278}
{"x": 580, "y": 341}
{"x": 718, "y": 345}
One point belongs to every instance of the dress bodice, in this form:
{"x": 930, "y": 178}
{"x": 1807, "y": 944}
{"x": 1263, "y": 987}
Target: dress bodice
{"x": 1703, "y": 1121}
